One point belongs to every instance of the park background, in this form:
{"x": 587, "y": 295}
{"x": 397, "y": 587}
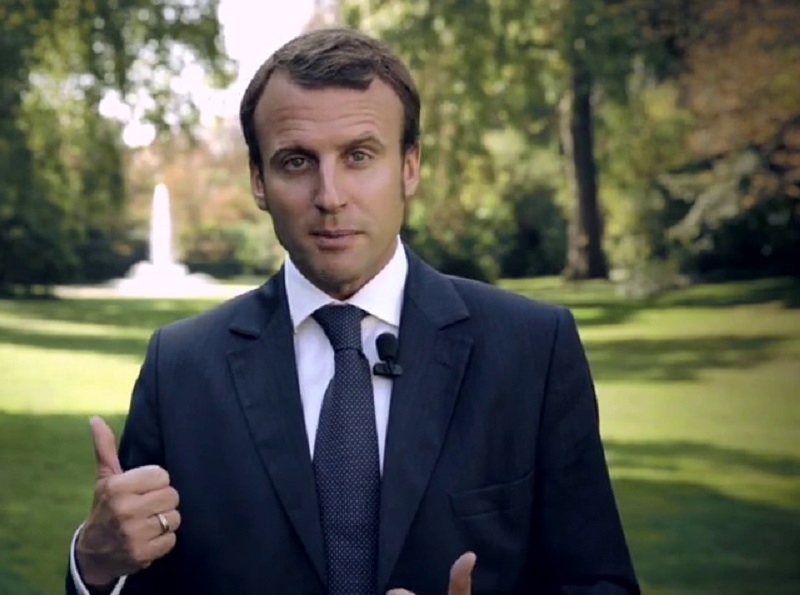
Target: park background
{"x": 635, "y": 160}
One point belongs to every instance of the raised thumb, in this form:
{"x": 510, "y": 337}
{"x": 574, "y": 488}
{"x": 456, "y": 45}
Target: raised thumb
{"x": 105, "y": 448}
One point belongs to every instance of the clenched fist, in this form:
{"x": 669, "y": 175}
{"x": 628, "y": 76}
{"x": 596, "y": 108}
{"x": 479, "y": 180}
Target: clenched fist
{"x": 133, "y": 518}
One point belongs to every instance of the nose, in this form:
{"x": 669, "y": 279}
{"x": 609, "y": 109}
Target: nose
{"x": 327, "y": 198}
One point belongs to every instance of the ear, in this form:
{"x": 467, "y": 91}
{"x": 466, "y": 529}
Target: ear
{"x": 257, "y": 187}
{"x": 411, "y": 160}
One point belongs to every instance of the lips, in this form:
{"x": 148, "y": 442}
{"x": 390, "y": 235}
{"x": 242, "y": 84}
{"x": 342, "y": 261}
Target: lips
{"x": 333, "y": 233}
{"x": 334, "y": 239}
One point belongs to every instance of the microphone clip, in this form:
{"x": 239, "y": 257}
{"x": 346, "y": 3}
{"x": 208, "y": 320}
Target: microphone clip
{"x": 387, "y": 369}
{"x": 387, "y": 347}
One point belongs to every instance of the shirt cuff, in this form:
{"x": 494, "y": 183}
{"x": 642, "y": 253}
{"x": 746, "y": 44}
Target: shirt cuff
{"x": 80, "y": 587}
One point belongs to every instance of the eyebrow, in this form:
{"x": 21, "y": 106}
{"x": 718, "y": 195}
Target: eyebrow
{"x": 297, "y": 149}
{"x": 365, "y": 139}
{"x": 283, "y": 152}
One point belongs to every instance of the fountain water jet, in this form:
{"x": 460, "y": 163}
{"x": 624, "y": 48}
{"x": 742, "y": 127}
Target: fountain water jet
{"x": 161, "y": 275}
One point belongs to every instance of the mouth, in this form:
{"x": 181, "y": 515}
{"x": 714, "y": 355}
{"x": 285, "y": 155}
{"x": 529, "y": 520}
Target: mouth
{"x": 333, "y": 233}
{"x": 334, "y": 239}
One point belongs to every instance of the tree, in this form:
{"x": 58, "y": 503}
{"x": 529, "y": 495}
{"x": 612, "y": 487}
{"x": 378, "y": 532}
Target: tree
{"x": 458, "y": 214}
{"x": 740, "y": 181}
{"x": 536, "y": 67}
{"x": 60, "y": 161}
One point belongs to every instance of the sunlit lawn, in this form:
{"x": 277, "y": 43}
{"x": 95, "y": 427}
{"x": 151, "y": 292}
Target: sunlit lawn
{"x": 699, "y": 408}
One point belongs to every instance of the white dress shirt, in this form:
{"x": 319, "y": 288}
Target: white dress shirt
{"x": 381, "y": 298}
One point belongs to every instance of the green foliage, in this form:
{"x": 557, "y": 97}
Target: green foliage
{"x": 61, "y": 163}
{"x": 531, "y": 183}
{"x": 730, "y": 222}
{"x": 504, "y": 67}
{"x": 458, "y": 218}
{"x": 692, "y": 122}
{"x": 638, "y": 141}
{"x": 681, "y": 97}
{"x": 235, "y": 248}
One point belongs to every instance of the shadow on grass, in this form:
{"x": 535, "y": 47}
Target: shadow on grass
{"x": 603, "y": 314}
{"x": 687, "y": 537}
{"x": 122, "y": 313}
{"x": 133, "y": 313}
{"x": 13, "y": 584}
{"x": 592, "y": 302}
{"x": 101, "y": 344}
{"x": 783, "y": 290}
{"x": 668, "y": 456}
{"x": 675, "y": 359}
{"x": 598, "y": 302}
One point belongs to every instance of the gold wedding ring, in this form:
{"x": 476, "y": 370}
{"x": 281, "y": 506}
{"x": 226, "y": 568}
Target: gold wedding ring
{"x": 162, "y": 520}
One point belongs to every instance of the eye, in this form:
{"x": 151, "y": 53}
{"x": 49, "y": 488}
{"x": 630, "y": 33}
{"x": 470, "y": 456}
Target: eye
{"x": 295, "y": 163}
{"x": 359, "y": 156}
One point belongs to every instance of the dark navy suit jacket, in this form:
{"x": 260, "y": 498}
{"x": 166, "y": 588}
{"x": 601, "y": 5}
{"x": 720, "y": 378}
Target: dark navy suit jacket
{"x": 492, "y": 446}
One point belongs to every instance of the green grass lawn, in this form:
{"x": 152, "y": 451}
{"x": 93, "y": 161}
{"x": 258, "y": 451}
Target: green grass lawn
{"x": 699, "y": 398}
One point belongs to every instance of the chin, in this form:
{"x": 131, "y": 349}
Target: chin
{"x": 332, "y": 278}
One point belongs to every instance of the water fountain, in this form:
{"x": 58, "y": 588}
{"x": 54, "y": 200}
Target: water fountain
{"x": 161, "y": 275}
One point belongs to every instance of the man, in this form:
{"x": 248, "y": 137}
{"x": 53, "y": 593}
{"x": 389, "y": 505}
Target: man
{"x": 261, "y": 454}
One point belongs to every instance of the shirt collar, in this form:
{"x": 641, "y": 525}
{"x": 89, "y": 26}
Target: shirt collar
{"x": 381, "y": 297}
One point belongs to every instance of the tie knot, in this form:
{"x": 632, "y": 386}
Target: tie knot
{"x": 342, "y": 325}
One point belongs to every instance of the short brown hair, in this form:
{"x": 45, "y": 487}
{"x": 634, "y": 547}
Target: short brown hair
{"x": 334, "y": 57}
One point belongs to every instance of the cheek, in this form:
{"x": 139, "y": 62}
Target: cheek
{"x": 383, "y": 182}
{"x": 286, "y": 197}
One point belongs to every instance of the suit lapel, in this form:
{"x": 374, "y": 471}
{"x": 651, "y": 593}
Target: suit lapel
{"x": 265, "y": 376}
{"x": 434, "y": 358}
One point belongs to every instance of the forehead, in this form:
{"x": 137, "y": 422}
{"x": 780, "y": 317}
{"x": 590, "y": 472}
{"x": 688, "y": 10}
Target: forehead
{"x": 290, "y": 114}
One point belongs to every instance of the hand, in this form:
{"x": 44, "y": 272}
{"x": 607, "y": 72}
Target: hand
{"x": 123, "y": 532}
{"x": 460, "y": 577}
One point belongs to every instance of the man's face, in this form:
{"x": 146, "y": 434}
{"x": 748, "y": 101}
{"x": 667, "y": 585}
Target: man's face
{"x": 335, "y": 178}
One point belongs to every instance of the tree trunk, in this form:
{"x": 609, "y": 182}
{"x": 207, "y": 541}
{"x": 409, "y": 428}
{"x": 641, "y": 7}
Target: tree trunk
{"x": 585, "y": 256}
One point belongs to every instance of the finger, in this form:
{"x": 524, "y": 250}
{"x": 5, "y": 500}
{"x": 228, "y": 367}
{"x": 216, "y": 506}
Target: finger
{"x": 160, "y": 500}
{"x": 141, "y": 480}
{"x": 153, "y": 549}
{"x": 105, "y": 448}
{"x": 173, "y": 519}
{"x": 461, "y": 575}
{"x": 163, "y": 545}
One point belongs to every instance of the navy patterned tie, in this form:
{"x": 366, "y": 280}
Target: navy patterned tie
{"x": 346, "y": 464}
